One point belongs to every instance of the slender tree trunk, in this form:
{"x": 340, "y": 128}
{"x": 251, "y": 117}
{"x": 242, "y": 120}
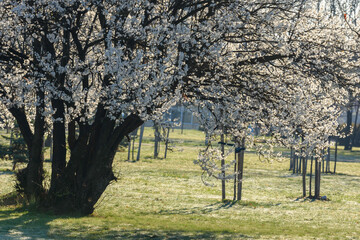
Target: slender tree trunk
{"x": 129, "y": 149}
{"x": 335, "y": 160}
{"x": 304, "y": 165}
{"x": 240, "y": 169}
{"x": 317, "y": 178}
{"x": 328, "y": 156}
{"x": 235, "y": 176}
{"x": 310, "y": 179}
{"x": 347, "y": 140}
{"x": 157, "y": 141}
{"x": 206, "y": 139}
{"x": 354, "y": 133}
{"x": 167, "y": 141}
{"x": 140, "y": 141}
{"x": 291, "y": 158}
{"x": 133, "y": 147}
{"x": 323, "y": 160}
{"x": 223, "y": 190}
{"x": 294, "y": 162}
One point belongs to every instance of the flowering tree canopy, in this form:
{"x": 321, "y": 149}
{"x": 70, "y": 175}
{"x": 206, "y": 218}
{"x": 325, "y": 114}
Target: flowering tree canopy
{"x": 92, "y": 71}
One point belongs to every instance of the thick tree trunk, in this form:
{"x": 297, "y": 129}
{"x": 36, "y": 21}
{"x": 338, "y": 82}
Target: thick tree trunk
{"x": 89, "y": 170}
{"x": 30, "y": 179}
{"x": 59, "y": 146}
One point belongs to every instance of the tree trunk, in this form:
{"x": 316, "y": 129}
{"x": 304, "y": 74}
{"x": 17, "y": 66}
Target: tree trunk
{"x": 294, "y": 162}
{"x": 347, "y": 140}
{"x": 89, "y": 170}
{"x": 304, "y": 166}
{"x": 182, "y": 118}
{"x": 310, "y": 178}
{"x": 335, "y": 160}
{"x": 235, "y": 177}
{"x": 223, "y": 190}
{"x": 317, "y": 178}
{"x": 328, "y": 156}
{"x": 167, "y": 142}
{"x": 354, "y": 133}
{"x": 59, "y": 145}
{"x": 129, "y": 149}
{"x": 323, "y": 160}
{"x": 157, "y": 140}
{"x": 30, "y": 179}
{"x": 291, "y": 159}
{"x": 140, "y": 141}
{"x": 240, "y": 168}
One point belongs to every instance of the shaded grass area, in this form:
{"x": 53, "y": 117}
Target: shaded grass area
{"x": 166, "y": 199}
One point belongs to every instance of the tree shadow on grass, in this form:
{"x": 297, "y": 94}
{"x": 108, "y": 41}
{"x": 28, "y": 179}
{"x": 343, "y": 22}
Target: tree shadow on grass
{"x": 20, "y": 223}
{"x": 29, "y": 224}
{"x": 148, "y": 234}
{"x": 345, "y": 175}
{"x": 216, "y": 207}
{"x": 172, "y": 235}
{"x": 200, "y": 210}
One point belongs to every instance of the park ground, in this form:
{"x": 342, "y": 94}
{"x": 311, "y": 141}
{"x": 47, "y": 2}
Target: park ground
{"x": 166, "y": 199}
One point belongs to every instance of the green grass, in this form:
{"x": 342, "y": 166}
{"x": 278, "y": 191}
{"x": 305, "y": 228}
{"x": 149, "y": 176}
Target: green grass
{"x": 165, "y": 199}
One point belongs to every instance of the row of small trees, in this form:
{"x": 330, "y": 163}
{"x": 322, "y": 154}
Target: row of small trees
{"x": 98, "y": 69}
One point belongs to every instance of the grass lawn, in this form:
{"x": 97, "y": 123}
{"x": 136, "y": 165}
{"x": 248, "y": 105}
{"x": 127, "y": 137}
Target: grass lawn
{"x": 166, "y": 199}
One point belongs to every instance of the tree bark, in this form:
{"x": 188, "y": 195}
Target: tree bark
{"x": 59, "y": 145}
{"x": 304, "y": 166}
{"x": 291, "y": 159}
{"x": 240, "y": 168}
{"x": 140, "y": 141}
{"x": 310, "y": 178}
{"x": 354, "y": 133}
{"x": 30, "y": 179}
{"x": 157, "y": 140}
{"x": 223, "y": 190}
{"x": 335, "y": 160}
{"x": 167, "y": 142}
{"x": 317, "y": 178}
{"x": 347, "y": 140}
{"x": 89, "y": 170}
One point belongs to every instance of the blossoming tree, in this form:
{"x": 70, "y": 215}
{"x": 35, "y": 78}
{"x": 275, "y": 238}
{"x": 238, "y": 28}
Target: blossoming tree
{"x": 296, "y": 91}
{"x": 92, "y": 71}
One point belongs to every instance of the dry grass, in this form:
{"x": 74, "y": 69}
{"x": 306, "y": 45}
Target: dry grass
{"x": 165, "y": 199}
